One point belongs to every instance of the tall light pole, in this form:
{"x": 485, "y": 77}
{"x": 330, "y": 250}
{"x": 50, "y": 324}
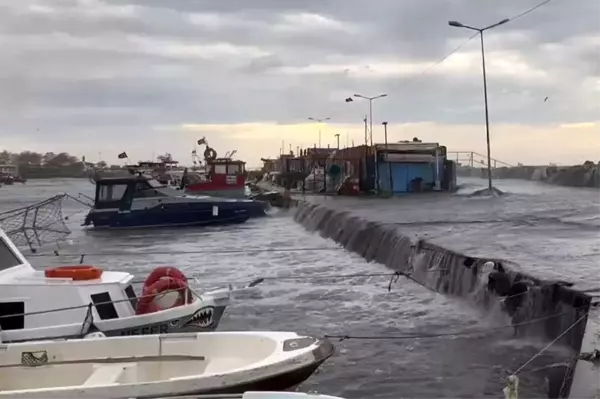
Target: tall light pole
{"x": 388, "y": 160}
{"x": 487, "y": 120}
{"x": 349, "y": 99}
{"x": 319, "y": 121}
{"x": 337, "y": 135}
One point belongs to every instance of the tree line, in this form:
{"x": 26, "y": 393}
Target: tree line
{"x": 33, "y": 165}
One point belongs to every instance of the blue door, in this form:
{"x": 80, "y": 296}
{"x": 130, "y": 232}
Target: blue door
{"x": 400, "y": 177}
{"x": 403, "y": 174}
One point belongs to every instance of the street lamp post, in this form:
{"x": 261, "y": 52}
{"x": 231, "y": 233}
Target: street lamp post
{"x": 337, "y": 135}
{"x": 319, "y": 121}
{"x": 487, "y": 120}
{"x": 370, "y": 111}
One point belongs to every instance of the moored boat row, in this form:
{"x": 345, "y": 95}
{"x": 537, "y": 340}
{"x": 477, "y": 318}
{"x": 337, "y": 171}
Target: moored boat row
{"x": 215, "y": 176}
{"x": 161, "y": 194}
{"x": 122, "y": 344}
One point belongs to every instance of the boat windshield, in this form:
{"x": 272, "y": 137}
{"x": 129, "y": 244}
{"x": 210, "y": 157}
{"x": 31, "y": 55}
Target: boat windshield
{"x": 8, "y": 258}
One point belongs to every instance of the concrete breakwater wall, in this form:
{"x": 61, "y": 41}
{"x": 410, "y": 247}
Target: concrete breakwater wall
{"x": 541, "y": 308}
{"x": 585, "y": 175}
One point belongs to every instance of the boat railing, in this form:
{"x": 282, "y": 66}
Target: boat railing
{"x": 90, "y": 305}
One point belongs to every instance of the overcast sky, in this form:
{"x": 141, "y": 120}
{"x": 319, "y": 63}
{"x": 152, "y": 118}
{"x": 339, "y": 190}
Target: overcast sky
{"x": 149, "y": 76}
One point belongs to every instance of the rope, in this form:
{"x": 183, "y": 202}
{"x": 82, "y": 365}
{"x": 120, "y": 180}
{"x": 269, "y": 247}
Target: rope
{"x": 80, "y": 201}
{"x": 545, "y": 348}
{"x": 444, "y": 58}
{"x": 340, "y": 337}
{"x": 344, "y": 337}
{"x": 441, "y": 335}
{"x": 459, "y": 47}
{"x": 217, "y": 251}
{"x": 89, "y": 316}
{"x": 292, "y": 278}
{"x": 512, "y": 388}
{"x": 530, "y": 10}
{"x": 251, "y": 283}
{"x": 6, "y": 316}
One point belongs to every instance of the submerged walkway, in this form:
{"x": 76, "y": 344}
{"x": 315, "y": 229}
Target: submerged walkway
{"x": 451, "y": 255}
{"x": 552, "y": 233}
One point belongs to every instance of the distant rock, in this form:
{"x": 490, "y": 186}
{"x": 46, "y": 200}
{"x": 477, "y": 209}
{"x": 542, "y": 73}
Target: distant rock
{"x": 584, "y": 175}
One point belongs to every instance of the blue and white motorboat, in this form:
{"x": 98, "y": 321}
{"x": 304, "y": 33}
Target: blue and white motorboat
{"x": 136, "y": 200}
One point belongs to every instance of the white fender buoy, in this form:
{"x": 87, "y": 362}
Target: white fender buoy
{"x": 94, "y": 335}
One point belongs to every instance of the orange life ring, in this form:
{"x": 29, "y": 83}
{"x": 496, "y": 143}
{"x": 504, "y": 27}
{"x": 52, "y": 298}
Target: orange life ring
{"x": 77, "y": 273}
{"x": 146, "y": 303}
{"x": 161, "y": 272}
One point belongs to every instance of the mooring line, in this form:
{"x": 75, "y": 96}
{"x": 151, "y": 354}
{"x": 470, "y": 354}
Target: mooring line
{"x": 343, "y": 337}
{"x": 545, "y": 348}
{"x": 174, "y": 252}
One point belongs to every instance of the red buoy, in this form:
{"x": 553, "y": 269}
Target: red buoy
{"x": 161, "y": 272}
{"x": 76, "y": 273}
{"x": 147, "y": 302}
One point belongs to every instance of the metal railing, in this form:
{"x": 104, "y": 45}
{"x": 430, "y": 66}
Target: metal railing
{"x": 474, "y": 159}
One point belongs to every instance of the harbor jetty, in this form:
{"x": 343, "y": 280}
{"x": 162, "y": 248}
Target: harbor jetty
{"x": 448, "y": 244}
{"x": 466, "y": 258}
{"x": 437, "y": 239}
{"x": 407, "y": 240}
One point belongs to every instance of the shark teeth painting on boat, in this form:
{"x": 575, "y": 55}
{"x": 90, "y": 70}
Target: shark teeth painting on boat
{"x": 203, "y": 318}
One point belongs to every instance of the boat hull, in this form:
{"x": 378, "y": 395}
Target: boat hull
{"x": 118, "y": 368}
{"x": 203, "y": 315}
{"x": 188, "y": 214}
{"x": 224, "y": 192}
{"x": 219, "y": 185}
{"x": 206, "y": 320}
{"x": 281, "y": 382}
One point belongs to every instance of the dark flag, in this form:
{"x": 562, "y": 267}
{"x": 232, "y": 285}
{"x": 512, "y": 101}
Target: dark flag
{"x": 122, "y": 155}
{"x": 202, "y": 141}
{"x": 349, "y": 100}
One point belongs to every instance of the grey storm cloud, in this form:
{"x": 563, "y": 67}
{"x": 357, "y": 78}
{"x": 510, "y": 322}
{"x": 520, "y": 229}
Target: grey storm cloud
{"x": 135, "y": 64}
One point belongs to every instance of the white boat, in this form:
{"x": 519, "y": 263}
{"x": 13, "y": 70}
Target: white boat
{"x": 70, "y": 302}
{"x": 159, "y": 365}
{"x": 260, "y": 395}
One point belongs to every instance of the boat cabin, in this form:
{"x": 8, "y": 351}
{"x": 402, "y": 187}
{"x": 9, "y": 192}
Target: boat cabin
{"x": 119, "y": 192}
{"x": 225, "y": 166}
{"x": 33, "y": 306}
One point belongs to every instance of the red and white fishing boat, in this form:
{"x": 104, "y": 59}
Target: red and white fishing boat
{"x": 216, "y": 176}
{"x": 220, "y": 177}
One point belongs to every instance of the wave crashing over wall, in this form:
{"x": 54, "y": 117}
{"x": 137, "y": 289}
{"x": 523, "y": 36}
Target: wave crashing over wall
{"x": 553, "y": 306}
